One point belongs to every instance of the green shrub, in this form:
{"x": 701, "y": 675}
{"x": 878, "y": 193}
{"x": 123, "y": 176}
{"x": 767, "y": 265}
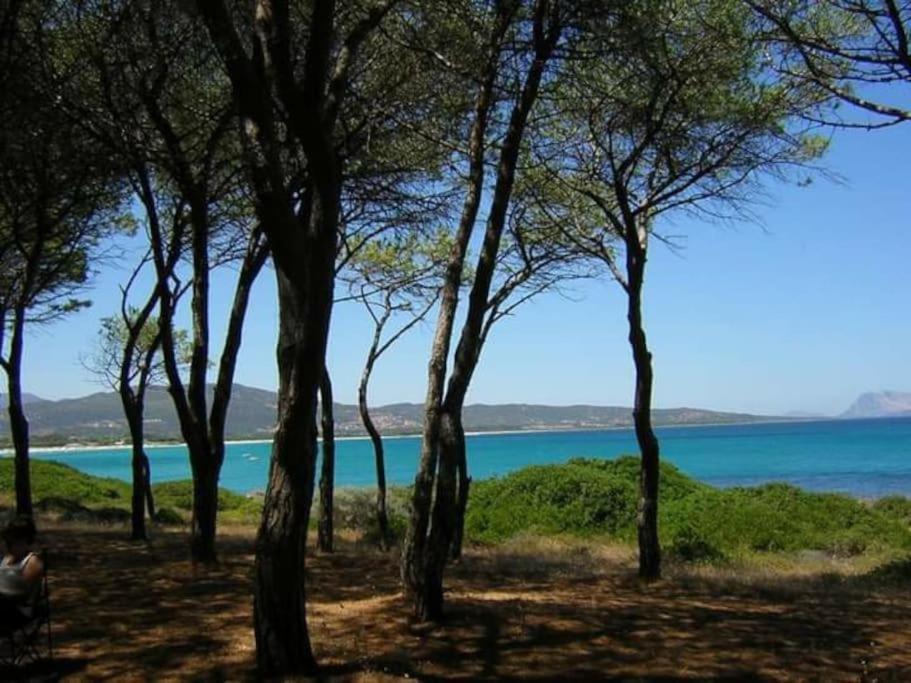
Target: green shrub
{"x": 847, "y": 545}
{"x": 696, "y": 522}
{"x": 355, "y": 509}
{"x": 896, "y": 507}
{"x": 232, "y": 507}
{"x": 169, "y": 517}
{"x": 59, "y": 488}
{"x": 780, "y": 517}
{"x": 175, "y": 494}
{"x": 691, "y": 544}
{"x": 582, "y": 497}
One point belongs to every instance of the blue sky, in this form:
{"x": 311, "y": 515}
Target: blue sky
{"x": 803, "y": 311}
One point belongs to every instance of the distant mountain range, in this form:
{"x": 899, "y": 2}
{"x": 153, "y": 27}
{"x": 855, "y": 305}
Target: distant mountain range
{"x": 251, "y": 414}
{"x": 98, "y": 417}
{"x": 880, "y": 404}
{"x": 26, "y": 399}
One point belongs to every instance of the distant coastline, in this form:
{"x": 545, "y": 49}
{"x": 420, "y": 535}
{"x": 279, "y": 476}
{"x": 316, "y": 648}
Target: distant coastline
{"x": 866, "y": 458}
{"x": 76, "y": 447}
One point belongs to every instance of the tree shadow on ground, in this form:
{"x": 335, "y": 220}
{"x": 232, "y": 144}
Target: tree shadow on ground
{"x": 131, "y": 610}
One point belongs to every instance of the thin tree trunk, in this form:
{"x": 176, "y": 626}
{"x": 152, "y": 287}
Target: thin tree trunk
{"x": 147, "y": 476}
{"x": 647, "y": 518}
{"x": 325, "y": 533}
{"x": 254, "y": 259}
{"x": 446, "y": 513}
{"x": 382, "y": 519}
{"x": 421, "y": 575}
{"x": 17, "y": 420}
{"x": 204, "y": 437}
{"x": 439, "y": 543}
{"x": 132, "y": 402}
{"x": 203, "y": 460}
{"x": 138, "y": 499}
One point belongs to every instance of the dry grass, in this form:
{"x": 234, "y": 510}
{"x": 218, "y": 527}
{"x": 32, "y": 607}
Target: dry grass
{"x": 535, "y": 609}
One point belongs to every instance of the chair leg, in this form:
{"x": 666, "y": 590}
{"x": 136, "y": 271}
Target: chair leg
{"x": 9, "y": 654}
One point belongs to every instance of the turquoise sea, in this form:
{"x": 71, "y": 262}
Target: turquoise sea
{"x": 866, "y": 458}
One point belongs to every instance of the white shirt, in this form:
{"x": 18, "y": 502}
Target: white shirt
{"x": 12, "y": 584}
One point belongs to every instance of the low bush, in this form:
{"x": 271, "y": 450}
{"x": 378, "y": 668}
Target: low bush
{"x": 780, "y": 517}
{"x": 582, "y": 498}
{"x": 697, "y": 522}
{"x": 355, "y": 509}
{"x": 232, "y": 507}
{"x": 691, "y": 544}
{"x": 62, "y": 482}
{"x": 169, "y": 517}
{"x": 59, "y": 488}
{"x": 896, "y": 507}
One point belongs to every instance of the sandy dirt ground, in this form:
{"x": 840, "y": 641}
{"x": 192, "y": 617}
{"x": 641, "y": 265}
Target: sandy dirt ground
{"x": 127, "y": 611}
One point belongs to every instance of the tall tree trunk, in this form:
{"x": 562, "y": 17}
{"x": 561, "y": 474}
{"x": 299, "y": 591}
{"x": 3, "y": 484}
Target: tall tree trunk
{"x": 422, "y": 579}
{"x": 304, "y": 252}
{"x": 139, "y": 468}
{"x": 280, "y": 616}
{"x": 647, "y": 518}
{"x": 203, "y": 437}
{"x": 17, "y": 420}
{"x": 382, "y": 518}
{"x": 427, "y": 600}
{"x": 132, "y": 402}
{"x": 204, "y": 465}
{"x": 254, "y": 259}
{"x": 325, "y": 533}
{"x": 451, "y": 444}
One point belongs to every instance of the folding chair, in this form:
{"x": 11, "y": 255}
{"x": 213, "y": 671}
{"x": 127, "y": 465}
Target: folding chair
{"x": 32, "y": 642}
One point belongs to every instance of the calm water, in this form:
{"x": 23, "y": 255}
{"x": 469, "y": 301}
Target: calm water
{"x": 866, "y": 458}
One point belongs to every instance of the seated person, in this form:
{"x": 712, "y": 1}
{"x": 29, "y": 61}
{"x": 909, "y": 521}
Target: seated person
{"x": 20, "y": 574}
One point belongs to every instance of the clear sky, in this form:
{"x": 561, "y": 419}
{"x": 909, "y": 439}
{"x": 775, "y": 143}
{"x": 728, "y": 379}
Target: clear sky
{"x": 801, "y": 312}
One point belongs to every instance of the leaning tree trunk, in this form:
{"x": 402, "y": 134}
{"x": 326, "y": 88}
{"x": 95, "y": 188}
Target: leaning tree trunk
{"x": 442, "y": 437}
{"x": 421, "y": 581}
{"x": 647, "y": 519}
{"x": 424, "y": 550}
{"x": 382, "y": 518}
{"x": 443, "y": 522}
{"x": 325, "y": 533}
{"x": 17, "y": 420}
